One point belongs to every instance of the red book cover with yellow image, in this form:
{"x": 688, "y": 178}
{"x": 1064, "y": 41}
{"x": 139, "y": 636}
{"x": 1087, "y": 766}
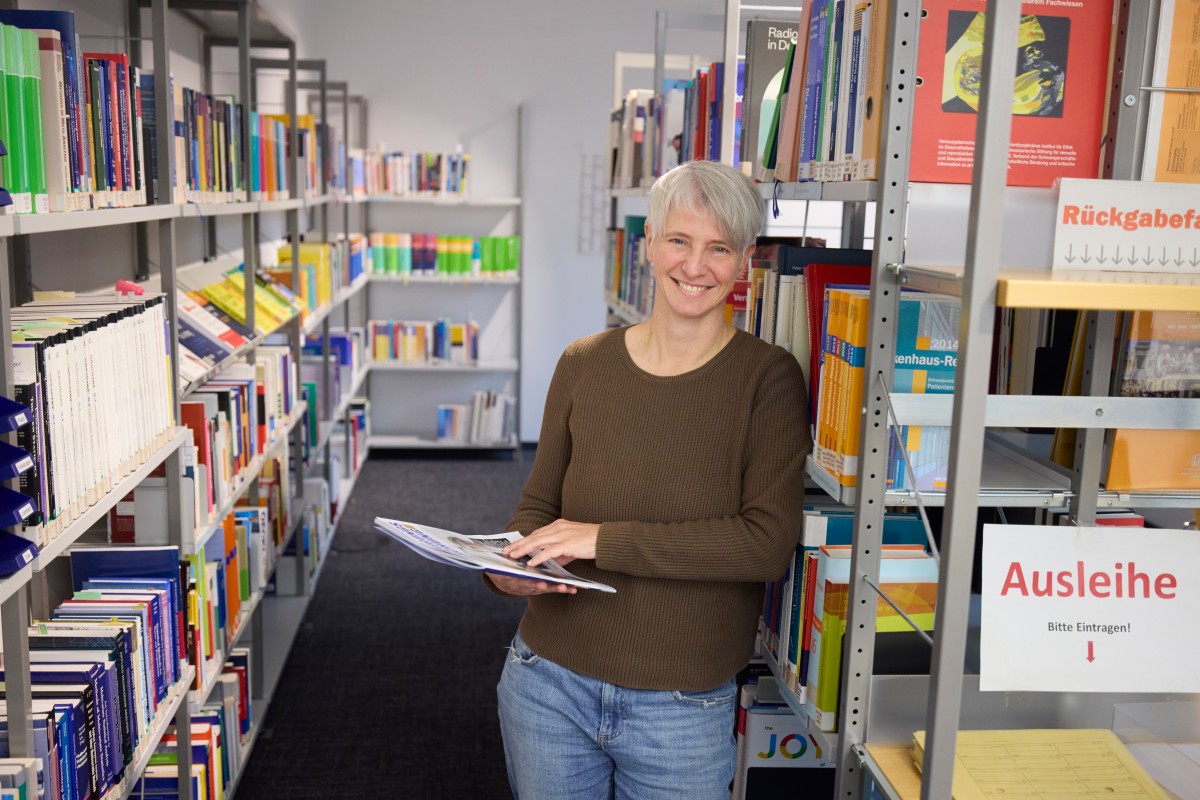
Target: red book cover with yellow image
{"x": 1058, "y": 91}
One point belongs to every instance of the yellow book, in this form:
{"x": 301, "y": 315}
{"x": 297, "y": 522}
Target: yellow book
{"x": 265, "y": 303}
{"x": 854, "y": 364}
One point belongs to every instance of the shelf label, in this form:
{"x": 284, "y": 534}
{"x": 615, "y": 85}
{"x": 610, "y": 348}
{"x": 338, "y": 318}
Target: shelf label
{"x": 1097, "y": 609}
{"x": 1127, "y": 226}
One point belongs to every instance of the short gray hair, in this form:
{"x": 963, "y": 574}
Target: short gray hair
{"x": 717, "y": 189}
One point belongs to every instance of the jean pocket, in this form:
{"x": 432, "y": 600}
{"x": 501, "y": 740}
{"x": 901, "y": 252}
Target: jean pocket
{"x": 521, "y": 652}
{"x": 716, "y": 697}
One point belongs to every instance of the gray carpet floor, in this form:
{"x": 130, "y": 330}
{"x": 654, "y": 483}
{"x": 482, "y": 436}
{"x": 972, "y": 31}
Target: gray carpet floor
{"x": 390, "y": 688}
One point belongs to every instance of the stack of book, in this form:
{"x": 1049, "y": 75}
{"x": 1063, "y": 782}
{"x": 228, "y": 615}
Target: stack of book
{"x": 106, "y": 663}
{"x": 325, "y": 268}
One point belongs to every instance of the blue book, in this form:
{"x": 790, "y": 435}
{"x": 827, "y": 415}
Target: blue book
{"x": 68, "y": 761}
{"x": 195, "y": 340}
{"x": 175, "y": 614}
{"x": 43, "y": 730}
{"x": 813, "y": 79}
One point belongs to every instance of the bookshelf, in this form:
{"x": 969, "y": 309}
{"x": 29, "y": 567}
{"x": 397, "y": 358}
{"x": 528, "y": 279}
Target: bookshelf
{"x": 995, "y": 463}
{"x": 988, "y": 467}
{"x": 405, "y": 395}
{"x": 34, "y": 590}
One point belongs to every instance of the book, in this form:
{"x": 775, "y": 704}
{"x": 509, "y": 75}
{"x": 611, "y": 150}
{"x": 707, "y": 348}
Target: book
{"x": 478, "y": 552}
{"x": 1161, "y": 359}
{"x": 909, "y": 577}
{"x": 1058, "y": 93}
{"x": 767, "y": 47}
{"x": 1168, "y": 155}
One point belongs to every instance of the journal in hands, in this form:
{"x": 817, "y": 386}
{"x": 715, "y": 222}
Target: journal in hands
{"x": 478, "y": 552}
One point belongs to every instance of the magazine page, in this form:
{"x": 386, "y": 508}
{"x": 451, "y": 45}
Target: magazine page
{"x": 478, "y": 552}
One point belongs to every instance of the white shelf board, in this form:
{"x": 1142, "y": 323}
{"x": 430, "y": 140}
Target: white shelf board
{"x": 418, "y": 279}
{"x": 202, "y": 210}
{"x": 623, "y": 310}
{"x": 267, "y": 206}
{"x": 636, "y": 191}
{"x": 163, "y": 719}
{"x": 247, "y": 476}
{"x": 840, "y": 191}
{"x": 447, "y": 200}
{"x": 1010, "y": 478}
{"x": 11, "y": 584}
{"x": 79, "y": 220}
{"x": 381, "y": 442}
{"x": 96, "y": 512}
{"x": 502, "y": 365}
{"x": 313, "y": 323}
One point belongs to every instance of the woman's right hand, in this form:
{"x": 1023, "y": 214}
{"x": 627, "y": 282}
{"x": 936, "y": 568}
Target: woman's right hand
{"x": 527, "y": 587}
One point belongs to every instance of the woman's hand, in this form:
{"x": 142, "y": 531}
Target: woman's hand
{"x": 562, "y": 540}
{"x": 526, "y": 587}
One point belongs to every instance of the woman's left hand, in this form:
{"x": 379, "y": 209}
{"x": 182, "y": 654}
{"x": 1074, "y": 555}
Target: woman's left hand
{"x": 562, "y": 540}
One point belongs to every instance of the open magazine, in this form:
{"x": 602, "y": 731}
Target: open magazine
{"x": 478, "y": 552}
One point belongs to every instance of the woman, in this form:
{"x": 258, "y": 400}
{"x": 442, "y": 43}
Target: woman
{"x": 670, "y": 466}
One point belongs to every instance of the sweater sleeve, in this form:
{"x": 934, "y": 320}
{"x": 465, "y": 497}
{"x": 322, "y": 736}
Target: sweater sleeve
{"x": 755, "y": 544}
{"x": 541, "y": 500}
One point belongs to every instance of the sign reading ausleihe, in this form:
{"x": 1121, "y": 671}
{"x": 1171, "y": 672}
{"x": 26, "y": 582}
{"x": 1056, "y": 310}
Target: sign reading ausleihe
{"x": 1089, "y": 609}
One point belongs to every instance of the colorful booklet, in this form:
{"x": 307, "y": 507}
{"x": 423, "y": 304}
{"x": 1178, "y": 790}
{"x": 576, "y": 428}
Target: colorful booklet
{"x": 478, "y": 552}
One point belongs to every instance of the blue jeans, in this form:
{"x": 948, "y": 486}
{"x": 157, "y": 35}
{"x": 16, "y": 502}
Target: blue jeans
{"x": 571, "y": 737}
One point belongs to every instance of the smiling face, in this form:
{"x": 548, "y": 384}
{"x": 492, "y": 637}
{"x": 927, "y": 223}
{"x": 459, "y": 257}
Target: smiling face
{"x": 695, "y": 266}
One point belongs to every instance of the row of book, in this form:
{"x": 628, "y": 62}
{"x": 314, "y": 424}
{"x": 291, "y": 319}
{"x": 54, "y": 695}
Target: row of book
{"x": 325, "y": 268}
{"x": 424, "y": 342}
{"x": 804, "y": 612}
{"x": 815, "y": 303}
{"x": 393, "y": 173}
{"x": 80, "y": 130}
{"x": 652, "y": 132}
{"x": 347, "y": 354}
{"x": 93, "y": 372}
{"x": 812, "y": 92}
{"x": 450, "y": 256}
{"x": 219, "y": 736}
{"x": 628, "y": 276}
{"x": 106, "y": 663}
{"x": 490, "y": 418}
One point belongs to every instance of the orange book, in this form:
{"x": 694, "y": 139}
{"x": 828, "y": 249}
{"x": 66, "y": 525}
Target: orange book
{"x": 1162, "y": 359}
{"x": 233, "y": 594}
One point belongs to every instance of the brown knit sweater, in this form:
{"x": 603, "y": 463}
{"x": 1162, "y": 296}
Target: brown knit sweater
{"x": 697, "y": 481}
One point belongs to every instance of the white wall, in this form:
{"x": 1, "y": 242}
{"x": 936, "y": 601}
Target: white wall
{"x": 439, "y": 72}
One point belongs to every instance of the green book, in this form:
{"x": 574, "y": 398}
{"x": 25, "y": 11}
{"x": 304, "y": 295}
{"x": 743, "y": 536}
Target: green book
{"x": 771, "y": 148}
{"x": 6, "y": 168}
{"x": 512, "y": 260}
{"x": 36, "y": 151}
{"x": 17, "y": 173}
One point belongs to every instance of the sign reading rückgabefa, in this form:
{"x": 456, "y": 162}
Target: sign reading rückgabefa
{"x": 1127, "y": 226}
{"x": 1068, "y": 609}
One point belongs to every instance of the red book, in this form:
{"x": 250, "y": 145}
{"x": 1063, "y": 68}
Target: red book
{"x": 816, "y": 278}
{"x": 1058, "y": 91}
{"x": 192, "y": 415}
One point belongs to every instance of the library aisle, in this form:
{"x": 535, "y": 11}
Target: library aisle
{"x": 390, "y": 688}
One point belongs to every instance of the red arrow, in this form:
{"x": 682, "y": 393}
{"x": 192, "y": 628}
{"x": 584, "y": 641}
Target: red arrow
{"x": 1091, "y": 655}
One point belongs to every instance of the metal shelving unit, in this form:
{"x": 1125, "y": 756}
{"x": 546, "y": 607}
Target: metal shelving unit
{"x": 242, "y": 25}
{"x": 442, "y": 291}
{"x": 880, "y": 713}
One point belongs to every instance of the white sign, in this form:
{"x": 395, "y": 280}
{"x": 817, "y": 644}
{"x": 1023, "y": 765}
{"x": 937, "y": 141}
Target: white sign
{"x": 1089, "y": 609}
{"x": 1127, "y": 226}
